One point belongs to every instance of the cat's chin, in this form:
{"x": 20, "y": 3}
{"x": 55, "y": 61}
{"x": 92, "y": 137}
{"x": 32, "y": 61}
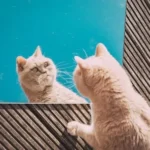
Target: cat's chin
{"x": 36, "y": 88}
{"x": 51, "y": 79}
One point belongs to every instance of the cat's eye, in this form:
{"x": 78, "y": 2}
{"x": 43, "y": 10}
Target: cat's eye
{"x": 46, "y": 64}
{"x": 35, "y": 69}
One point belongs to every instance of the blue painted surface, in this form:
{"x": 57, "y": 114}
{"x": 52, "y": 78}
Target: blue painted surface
{"x": 61, "y": 28}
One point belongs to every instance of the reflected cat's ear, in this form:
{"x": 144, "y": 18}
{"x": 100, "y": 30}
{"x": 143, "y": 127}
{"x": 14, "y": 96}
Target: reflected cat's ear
{"x": 38, "y": 52}
{"x": 21, "y": 61}
{"x": 101, "y": 50}
{"x": 81, "y": 62}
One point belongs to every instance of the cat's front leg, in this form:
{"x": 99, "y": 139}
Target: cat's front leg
{"x": 84, "y": 131}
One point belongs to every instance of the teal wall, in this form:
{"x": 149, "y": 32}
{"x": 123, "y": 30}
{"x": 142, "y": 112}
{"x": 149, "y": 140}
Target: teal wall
{"x": 62, "y": 28}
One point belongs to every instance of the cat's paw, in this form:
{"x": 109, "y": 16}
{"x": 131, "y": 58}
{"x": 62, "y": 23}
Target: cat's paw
{"x": 72, "y": 127}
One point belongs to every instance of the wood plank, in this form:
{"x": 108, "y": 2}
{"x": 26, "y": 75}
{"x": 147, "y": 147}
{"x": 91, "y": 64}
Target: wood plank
{"x": 5, "y": 144}
{"x": 9, "y": 131}
{"x": 22, "y": 130}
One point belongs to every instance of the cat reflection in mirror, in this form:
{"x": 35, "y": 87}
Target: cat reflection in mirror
{"x": 37, "y": 77}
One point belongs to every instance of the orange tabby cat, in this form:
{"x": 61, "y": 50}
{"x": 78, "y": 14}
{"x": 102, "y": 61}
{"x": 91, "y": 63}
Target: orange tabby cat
{"x": 37, "y": 76}
{"x": 120, "y": 116}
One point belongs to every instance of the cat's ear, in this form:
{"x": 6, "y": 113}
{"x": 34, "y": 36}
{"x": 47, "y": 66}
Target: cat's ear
{"x": 100, "y": 50}
{"x": 82, "y": 63}
{"x": 38, "y": 51}
{"x": 21, "y": 61}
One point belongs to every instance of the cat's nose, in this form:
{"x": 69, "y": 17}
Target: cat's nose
{"x": 43, "y": 72}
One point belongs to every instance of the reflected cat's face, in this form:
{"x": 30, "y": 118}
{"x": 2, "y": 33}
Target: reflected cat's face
{"x": 37, "y": 71}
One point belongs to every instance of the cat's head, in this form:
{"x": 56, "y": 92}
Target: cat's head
{"x": 92, "y": 74}
{"x": 37, "y": 71}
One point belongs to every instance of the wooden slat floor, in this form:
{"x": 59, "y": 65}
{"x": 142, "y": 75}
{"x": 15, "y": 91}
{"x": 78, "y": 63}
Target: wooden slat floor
{"x": 41, "y": 126}
{"x": 37, "y": 127}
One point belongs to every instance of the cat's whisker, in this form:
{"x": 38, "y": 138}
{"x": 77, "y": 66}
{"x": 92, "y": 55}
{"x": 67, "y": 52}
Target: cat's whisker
{"x": 70, "y": 87}
{"x": 64, "y": 77}
{"x": 66, "y": 73}
{"x": 67, "y": 79}
{"x": 60, "y": 63}
{"x": 67, "y": 67}
{"x": 74, "y": 61}
{"x": 86, "y": 55}
{"x": 60, "y": 70}
{"x": 62, "y": 66}
{"x": 70, "y": 82}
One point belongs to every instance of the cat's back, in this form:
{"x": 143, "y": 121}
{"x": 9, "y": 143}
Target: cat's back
{"x": 125, "y": 136}
{"x": 126, "y": 132}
